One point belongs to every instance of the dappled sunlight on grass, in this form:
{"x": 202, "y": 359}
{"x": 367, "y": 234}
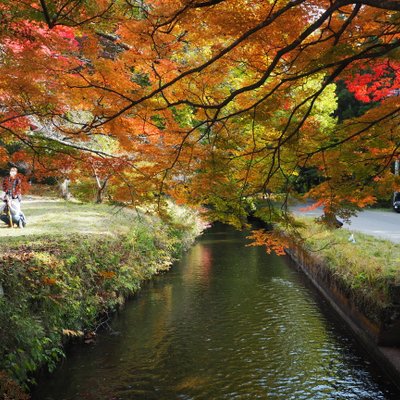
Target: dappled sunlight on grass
{"x": 59, "y": 217}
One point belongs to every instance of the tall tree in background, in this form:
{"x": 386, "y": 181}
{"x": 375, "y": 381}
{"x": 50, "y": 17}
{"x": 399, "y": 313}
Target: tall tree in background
{"x": 207, "y": 103}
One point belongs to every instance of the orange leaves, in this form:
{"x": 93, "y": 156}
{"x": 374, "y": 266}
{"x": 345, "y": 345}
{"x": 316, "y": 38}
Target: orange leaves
{"x": 112, "y": 75}
{"x": 364, "y": 201}
{"x": 106, "y": 274}
{"x": 49, "y": 281}
{"x": 313, "y": 206}
{"x": 229, "y": 98}
{"x": 19, "y": 156}
{"x": 3, "y": 156}
{"x": 273, "y": 241}
{"x": 165, "y": 70}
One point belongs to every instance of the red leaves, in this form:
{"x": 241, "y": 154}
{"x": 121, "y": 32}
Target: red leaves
{"x": 15, "y": 122}
{"x": 3, "y": 156}
{"x": 377, "y": 82}
{"x": 30, "y": 35}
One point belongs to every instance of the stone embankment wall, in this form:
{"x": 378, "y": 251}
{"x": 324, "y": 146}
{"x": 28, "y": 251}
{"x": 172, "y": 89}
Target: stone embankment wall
{"x": 380, "y": 338}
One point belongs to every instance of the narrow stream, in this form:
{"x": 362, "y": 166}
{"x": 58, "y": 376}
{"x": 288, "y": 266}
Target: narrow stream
{"x": 227, "y": 322}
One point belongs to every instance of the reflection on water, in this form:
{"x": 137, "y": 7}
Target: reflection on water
{"x": 228, "y": 322}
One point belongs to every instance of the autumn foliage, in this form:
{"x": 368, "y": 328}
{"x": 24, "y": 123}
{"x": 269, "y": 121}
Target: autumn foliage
{"x": 380, "y": 81}
{"x": 209, "y": 102}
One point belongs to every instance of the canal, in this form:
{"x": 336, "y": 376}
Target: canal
{"x": 227, "y": 322}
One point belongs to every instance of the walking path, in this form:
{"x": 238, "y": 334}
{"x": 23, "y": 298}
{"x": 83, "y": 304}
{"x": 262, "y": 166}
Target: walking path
{"x": 384, "y": 224}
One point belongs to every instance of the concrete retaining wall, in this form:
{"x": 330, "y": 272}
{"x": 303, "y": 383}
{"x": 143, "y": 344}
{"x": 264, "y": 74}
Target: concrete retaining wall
{"x": 382, "y": 339}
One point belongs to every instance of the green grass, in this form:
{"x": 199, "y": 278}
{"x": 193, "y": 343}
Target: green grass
{"x": 366, "y": 269}
{"x": 53, "y": 216}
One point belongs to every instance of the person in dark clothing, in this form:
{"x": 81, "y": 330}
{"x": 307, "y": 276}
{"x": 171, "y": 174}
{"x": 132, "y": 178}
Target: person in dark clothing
{"x": 12, "y": 198}
{"x": 12, "y": 185}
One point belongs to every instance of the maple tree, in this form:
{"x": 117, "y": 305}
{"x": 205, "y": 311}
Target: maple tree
{"x": 379, "y": 81}
{"x": 210, "y": 101}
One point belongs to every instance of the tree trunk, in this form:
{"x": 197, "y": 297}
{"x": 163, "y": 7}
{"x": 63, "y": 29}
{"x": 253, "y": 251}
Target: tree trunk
{"x": 101, "y": 189}
{"x": 330, "y": 220}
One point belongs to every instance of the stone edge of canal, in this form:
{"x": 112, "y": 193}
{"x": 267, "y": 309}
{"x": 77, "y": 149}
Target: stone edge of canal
{"x": 374, "y": 338}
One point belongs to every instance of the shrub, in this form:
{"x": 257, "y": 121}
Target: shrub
{"x": 58, "y": 286}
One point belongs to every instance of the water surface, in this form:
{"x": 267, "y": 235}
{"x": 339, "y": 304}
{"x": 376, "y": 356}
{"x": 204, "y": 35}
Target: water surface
{"x": 228, "y": 322}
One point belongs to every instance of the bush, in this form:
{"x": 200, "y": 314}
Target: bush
{"x": 56, "y": 287}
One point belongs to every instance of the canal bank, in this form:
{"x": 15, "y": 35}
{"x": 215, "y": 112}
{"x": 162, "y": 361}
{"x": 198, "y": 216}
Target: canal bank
{"x": 380, "y": 338}
{"x": 375, "y": 322}
{"x": 63, "y": 285}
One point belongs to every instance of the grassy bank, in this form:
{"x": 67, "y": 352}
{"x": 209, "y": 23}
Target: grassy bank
{"x": 69, "y": 268}
{"x": 366, "y": 270}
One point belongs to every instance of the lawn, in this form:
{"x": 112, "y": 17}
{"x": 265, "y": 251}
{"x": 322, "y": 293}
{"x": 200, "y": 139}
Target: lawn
{"x": 367, "y": 267}
{"x": 54, "y": 216}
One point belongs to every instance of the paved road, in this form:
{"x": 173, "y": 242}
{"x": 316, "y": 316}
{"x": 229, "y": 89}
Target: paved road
{"x": 383, "y": 224}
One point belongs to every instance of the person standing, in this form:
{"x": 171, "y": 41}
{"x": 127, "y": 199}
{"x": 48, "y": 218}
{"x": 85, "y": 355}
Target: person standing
{"x": 12, "y": 185}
